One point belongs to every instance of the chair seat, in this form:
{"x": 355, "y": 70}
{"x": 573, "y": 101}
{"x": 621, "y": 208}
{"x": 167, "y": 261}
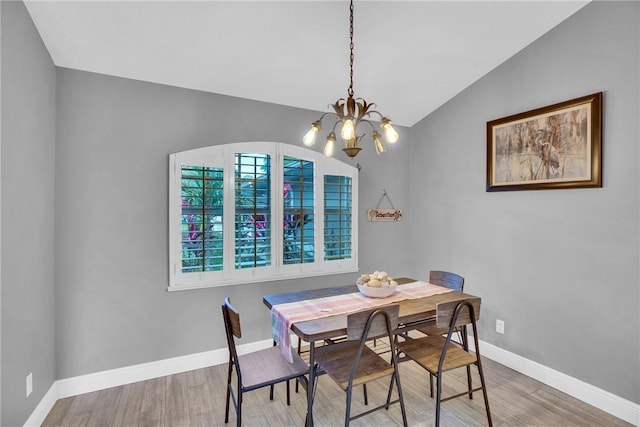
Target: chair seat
{"x": 337, "y": 361}
{"x": 431, "y": 329}
{"x": 426, "y": 352}
{"x": 268, "y": 366}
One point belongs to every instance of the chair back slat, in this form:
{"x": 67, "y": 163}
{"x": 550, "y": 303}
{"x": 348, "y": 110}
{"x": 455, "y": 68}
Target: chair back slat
{"x": 445, "y": 312}
{"x": 233, "y": 317}
{"x": 357, "y": 322}
{"x": 447, "y": 279}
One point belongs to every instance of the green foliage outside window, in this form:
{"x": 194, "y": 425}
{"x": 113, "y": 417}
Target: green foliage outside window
{"x": 201, "y": 218}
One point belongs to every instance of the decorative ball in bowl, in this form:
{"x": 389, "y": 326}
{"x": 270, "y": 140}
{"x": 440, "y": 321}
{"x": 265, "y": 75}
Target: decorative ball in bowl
{"x": 376, "y": 285}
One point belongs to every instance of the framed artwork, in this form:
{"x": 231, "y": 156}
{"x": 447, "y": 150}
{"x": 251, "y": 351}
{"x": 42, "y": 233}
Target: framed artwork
{"x": 558, "y": 146}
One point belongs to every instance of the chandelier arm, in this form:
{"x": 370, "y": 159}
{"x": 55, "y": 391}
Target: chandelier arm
{"x": 323, "y": 115}
{"x": 377, "y": 112}
{"x": 338, "y": 107}
{"x": 364, "y": 108}
{"x": 336, "y": 124}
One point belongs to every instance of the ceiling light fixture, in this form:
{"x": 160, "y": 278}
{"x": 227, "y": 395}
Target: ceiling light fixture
{"x": 351, "y": 112}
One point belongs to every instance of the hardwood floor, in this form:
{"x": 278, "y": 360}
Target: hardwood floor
{"x": 197, "y": 398}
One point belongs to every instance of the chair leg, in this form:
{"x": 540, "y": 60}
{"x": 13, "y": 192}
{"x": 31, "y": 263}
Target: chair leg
{"x": 366, "y": 396}
{"x": 314, "y": 385}
{"x": 347, "y": 415}
{"x": 393, "y": 378}
{"x": 484, "y": 392}
{"x": 469, "y": 382}
{"x": 465, "y": 344}
{"x": 400, "y": 397}
{"x": 431, "y": 384}
{"x": 226, "y": 412}
{"x": 239, "y": 411}
{"x": 305, "y": 382}
{"x": 438, "y": 397}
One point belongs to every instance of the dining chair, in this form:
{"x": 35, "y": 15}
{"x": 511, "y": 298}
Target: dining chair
{"x": 448, "y": 280}
{"x": 351, "y": 363}
{"x": 257, "y": 369}
{"x": 451, "y": 281}
{"x": 438, "y": 354}
{"x": 328, "y": 341}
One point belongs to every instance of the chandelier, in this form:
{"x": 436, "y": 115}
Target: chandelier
{"x": 351, "y": 113}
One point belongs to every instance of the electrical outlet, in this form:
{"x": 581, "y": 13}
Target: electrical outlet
{"x": 500, "y": 326}
{"x": 29, "y": 384}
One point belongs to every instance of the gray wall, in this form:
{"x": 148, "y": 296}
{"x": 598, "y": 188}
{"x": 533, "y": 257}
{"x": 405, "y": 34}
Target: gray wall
{"x": 543, "y": 261}
{"x": 28, "y": 152}
{"x": 0, "y": 216}
{"x": 560, "y": 267}
{"x": 113, "y": 140}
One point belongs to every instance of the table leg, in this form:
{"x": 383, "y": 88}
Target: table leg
{"x": 310, "y": 387}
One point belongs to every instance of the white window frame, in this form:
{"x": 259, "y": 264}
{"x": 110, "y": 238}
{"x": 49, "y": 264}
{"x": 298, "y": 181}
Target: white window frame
{"x": 224, "y": 156}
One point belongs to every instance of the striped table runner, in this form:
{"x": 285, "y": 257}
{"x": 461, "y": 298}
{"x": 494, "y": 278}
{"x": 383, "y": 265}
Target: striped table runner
{"x": 284, "y": 315}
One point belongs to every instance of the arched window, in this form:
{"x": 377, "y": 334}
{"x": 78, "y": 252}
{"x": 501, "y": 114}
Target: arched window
{"x": 258, "y": 211}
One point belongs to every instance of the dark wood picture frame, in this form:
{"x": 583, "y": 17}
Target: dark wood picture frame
{"x": 558, "y": 146}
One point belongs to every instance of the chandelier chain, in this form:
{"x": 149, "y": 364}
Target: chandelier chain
{"x": 350, "y": 91}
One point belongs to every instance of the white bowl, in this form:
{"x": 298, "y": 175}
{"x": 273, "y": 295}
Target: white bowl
{"x": 376, "y": 292}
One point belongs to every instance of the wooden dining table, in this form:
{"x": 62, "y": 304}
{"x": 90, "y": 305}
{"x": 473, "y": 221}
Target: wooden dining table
{"x": 413, "y": 313}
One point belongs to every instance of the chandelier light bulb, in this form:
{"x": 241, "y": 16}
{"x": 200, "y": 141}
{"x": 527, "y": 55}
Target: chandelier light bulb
{"x": 329, "y": 146}
{"x": 310, "y": 137}
{"x": 348, "y": 132}
{"x": 377, "y": 142}
{"x": 390, "y": 133}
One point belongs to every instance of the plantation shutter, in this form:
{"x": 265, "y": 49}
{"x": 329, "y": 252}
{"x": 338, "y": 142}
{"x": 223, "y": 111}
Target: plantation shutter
{"x": 298, "y": 245}
{"x": 201, "y": 218}
{"x": 337, "y": 217}
{"x": 253, "y": 219}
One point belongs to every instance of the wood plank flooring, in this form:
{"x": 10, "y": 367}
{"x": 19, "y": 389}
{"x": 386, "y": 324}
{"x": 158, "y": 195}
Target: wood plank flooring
{"x": 197, "y": 398}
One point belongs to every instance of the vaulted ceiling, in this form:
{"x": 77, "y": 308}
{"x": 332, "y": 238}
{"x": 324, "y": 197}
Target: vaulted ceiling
{"x": 410, "y": 56}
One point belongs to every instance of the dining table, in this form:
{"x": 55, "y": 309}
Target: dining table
{"x": 414, "y": 312}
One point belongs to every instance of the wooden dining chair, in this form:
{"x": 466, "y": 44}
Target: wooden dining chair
{"x": 448, "y": 280}
{"x": 329, "y": 341}
{"x": 451, "y": 281}
{"x": 351, "y": 363}
{"x": 438, "y": 354}
{"x": 258, "y": 369}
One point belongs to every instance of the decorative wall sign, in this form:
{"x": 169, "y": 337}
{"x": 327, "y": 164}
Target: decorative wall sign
{"x": 558, "y": 146}
{"x": 375, "y": 215}
{"x": 384, "y": 215}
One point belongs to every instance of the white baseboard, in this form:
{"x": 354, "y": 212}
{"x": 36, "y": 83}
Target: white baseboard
{"x": 42, "y": 410}
{"x": 146, "y": 371}
{"x": 130, "y": 374}
{"x": 594, "y": 396}
{"x": 608, "y": 402}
